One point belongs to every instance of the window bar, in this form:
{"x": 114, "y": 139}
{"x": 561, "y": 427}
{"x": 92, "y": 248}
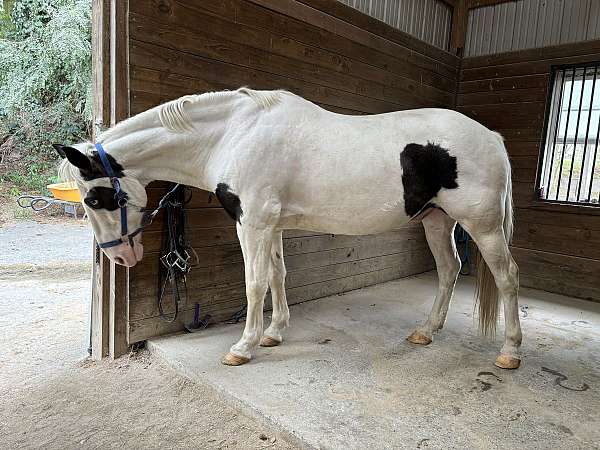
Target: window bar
{"x": 587, "y": 135}
{"x": 562, "y": 154}
{"x": 562, "y": 85}
{"x": 594, "y": 163}
{"x": 576, "y": 134}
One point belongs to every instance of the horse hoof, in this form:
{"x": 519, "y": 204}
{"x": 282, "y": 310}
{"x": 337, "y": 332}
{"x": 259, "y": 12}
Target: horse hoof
{"x": 234, "y": 360}
{"x": 268, "y": 341}
{"x": 418, "y": 338}
{"x": 507, "y": 362}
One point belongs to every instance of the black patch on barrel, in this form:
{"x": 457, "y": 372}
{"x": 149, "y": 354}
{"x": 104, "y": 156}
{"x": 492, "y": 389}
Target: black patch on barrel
{"x": 425, "y": 170}
{"x": 230, "y": 201}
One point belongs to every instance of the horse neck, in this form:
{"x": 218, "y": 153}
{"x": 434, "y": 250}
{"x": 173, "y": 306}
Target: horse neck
{"x": 154, "y": 153}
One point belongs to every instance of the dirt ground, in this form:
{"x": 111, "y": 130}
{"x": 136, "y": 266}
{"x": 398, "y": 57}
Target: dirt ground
{"x": 54, "y": 397}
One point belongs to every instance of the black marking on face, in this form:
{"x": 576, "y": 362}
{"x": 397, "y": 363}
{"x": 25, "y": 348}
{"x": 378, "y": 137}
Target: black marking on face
{"x": 102, "y": 198}
{"x": 230, "y": 201}
{"x": 90, "y": 167}
{"x": 96, "y": 169}
{"x": 425, "y": 170}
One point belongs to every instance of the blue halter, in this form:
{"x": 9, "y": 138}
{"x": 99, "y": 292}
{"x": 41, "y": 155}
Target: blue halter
{"x": 121, "y": 197}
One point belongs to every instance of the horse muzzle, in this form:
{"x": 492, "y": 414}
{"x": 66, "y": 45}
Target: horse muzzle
{"x": 126, "y": 255}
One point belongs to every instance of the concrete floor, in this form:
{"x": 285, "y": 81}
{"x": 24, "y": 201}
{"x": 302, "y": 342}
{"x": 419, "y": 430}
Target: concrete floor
{"x": 346, "y": 378}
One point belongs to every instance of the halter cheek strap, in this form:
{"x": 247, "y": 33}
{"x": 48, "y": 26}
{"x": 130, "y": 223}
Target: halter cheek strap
{"x": 121, "y": 197}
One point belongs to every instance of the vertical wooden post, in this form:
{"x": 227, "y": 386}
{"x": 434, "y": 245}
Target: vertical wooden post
{"x": 460, "y": 17}
{"x": 100, "y": 308}
{"x": 119, "y": 110}
{"x": 110, "y": 286}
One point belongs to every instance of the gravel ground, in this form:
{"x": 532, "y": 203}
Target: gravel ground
{"x": 53, "y": 397}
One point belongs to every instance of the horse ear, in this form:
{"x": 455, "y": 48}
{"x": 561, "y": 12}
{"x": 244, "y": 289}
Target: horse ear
{"x": 59, "y": 150}
{"x": 74, "y": 156}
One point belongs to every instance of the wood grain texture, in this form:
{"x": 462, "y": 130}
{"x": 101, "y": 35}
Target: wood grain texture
{"x": 324, "y": 51}
{"x": 557, "y": 247}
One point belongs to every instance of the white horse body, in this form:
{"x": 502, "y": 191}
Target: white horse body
{"x": 319, "y": 163}
{"x": 277, "y": 161}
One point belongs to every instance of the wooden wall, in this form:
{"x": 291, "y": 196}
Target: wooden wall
{"x": 557, "y": 247}
{"x": 320, "y": 49}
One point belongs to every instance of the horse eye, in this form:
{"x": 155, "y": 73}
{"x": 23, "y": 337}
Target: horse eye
{"x": 93, "y": 202}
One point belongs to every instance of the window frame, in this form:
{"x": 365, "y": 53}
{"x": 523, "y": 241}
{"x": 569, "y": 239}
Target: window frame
{"x": 558, "y": 204}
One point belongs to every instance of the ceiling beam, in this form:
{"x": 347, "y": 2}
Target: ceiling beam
{"x": 471, "y": 4}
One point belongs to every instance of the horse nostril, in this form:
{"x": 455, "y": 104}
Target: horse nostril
{"x": 119, "y": 260}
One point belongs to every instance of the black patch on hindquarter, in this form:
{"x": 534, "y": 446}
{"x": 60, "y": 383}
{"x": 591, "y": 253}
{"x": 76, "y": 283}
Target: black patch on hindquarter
{"x": 425, "y": 170}
{"x": 230, "y": 201}
{"x": 102, "y": 198}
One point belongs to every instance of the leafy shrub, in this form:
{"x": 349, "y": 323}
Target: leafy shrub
{"x": 45, "y": 85}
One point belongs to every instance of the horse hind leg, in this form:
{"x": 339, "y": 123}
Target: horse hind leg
{"x": 501, "y": 281}
{"x": 439, "y": 231}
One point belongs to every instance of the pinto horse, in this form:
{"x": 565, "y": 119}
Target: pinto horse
{"x": 277, "y": 161}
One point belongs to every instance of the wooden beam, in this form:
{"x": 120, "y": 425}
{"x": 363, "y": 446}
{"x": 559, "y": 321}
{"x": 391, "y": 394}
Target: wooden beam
{"x": 119, "y": 110}
{"x": 460, "y": 17}
{"x": 101, "y": 117}
{"x": 471, "y": 4}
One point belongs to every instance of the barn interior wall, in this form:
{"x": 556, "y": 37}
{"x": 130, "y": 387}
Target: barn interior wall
{"x": 557, "y": 247}
{"x": 324, "y": 51}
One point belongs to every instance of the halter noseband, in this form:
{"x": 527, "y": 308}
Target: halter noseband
{"x": 121, "y": 197}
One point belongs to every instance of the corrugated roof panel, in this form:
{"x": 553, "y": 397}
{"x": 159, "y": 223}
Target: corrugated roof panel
{"x": 525, "y": 24}
{"x": 429, "y": 20}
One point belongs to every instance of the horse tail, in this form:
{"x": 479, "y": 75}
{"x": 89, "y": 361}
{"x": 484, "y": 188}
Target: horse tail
{"x": 487, "y": 290}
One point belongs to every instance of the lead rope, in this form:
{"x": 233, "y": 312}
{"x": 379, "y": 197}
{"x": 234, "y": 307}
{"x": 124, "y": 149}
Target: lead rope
{"x": 176, "y": 260}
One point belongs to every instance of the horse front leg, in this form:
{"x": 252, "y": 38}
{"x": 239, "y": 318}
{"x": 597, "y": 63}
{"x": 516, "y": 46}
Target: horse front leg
{"x": 281, "y": 314}
{"x": 256, "y": 247}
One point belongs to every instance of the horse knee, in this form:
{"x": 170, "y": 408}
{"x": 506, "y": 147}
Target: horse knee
{"x": 255, "y": 290}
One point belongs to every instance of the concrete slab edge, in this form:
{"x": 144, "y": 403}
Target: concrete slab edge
{"x": 244, "y": 407}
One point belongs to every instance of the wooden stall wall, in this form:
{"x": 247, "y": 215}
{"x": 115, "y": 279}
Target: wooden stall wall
{"x": 320, "y": 49}
{"x": 557, "y": 247}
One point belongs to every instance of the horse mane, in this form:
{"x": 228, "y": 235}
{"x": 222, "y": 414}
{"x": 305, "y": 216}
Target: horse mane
{"x": 173, "y": 116}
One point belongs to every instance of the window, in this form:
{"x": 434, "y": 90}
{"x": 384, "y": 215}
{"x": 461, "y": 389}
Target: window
{"x": 570, "y": 166}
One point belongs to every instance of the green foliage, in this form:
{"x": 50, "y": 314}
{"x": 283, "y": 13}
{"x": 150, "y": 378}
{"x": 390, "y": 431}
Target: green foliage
{"x": 45, "y": 85}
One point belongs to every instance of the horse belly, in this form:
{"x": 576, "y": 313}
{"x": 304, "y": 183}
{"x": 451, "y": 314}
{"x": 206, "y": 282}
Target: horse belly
{"x": 376, "y": 218}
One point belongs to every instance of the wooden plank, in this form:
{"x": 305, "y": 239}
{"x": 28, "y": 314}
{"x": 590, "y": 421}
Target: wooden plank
{"x": 568, "y": 218}
{"x": 569, "y": 275}
{"x": 512, "y": 96}
{"x": 522, "y": 148}
{"x": 533, "y": 54}
{"x": 503, "y": 84}
{"x": 557, "y": 238}
{"x": 527, "y": 115}
{"x": 119, "y": 64}
{"x": 100, "y": 295}
{"x": 524, "y": 68}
